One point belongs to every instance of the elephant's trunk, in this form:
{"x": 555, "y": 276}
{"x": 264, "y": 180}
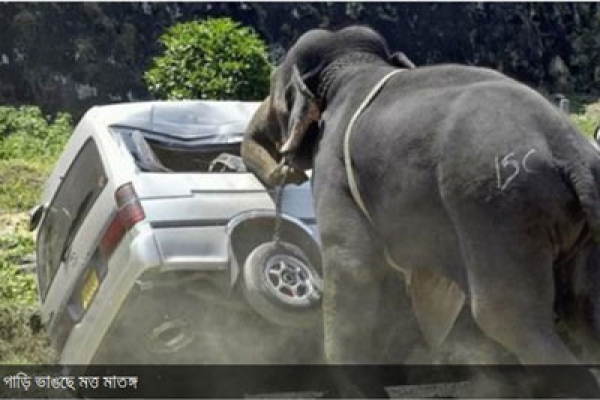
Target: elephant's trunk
{"x": 258, "y": 149}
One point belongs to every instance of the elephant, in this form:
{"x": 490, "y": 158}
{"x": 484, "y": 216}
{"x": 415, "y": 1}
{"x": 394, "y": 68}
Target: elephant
{"x": 473, "y": 185}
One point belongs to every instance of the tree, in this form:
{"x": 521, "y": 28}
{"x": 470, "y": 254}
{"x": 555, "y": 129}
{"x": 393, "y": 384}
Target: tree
{"x": 213, "y": 59}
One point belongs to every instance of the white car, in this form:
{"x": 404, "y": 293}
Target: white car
{"x": 154, "y": 245}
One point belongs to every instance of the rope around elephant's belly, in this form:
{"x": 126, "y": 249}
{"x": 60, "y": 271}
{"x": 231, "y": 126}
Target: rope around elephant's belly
{"x": 350, "y": 173}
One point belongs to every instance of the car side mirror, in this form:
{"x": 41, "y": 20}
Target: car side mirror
{"x": 35, "y": 216}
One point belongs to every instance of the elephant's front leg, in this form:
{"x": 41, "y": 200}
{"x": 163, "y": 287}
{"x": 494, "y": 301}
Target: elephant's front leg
{"x": 353, "y": 272}
{"x": 351, "y": 299}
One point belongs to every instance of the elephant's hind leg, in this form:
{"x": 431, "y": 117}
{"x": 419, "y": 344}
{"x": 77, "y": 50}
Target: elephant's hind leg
{"x": 511, "y": 284}
{"x": 512, "y": 300}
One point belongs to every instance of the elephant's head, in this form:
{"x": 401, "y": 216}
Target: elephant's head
{"x": 287, "y": 122}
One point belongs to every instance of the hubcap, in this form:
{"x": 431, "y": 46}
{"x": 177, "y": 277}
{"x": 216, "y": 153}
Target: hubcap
{"x": 290, "y": 279}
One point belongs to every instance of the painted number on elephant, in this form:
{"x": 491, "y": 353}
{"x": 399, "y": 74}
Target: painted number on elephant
{"x": 509, "y": 166}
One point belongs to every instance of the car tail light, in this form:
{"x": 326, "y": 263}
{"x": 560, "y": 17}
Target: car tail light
{"x": 129, "y": 213}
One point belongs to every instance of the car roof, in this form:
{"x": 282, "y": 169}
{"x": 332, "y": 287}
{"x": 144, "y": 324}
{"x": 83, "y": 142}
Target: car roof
{"x": 182, "y": 123}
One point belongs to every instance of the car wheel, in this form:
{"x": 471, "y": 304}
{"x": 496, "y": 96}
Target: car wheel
{"x": 282, "y": 286}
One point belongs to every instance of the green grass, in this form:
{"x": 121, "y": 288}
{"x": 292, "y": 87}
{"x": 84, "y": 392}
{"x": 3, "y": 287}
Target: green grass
{"x": 30, "y": 144}
{"x": 585, "y": 113}
{"x": 586, "y": 123}
{"x": 21, "y": 183}
{"x": 22, "y": 337}
{"x": 16, "y": 246}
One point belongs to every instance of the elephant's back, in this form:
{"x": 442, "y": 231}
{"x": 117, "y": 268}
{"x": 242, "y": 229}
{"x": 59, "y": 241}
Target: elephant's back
{"x": 444, "y": 77}
{"x": 487, "y": 140}
{"x": 469, "y": 134}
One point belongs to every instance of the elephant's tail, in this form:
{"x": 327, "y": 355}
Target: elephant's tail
{"x": 583, "y": 181}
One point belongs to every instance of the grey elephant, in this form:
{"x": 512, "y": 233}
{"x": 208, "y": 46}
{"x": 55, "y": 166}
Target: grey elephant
{"x": 470, "y": 183}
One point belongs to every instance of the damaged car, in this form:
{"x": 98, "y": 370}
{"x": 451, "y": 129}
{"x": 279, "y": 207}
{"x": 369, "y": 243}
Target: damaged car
{"x": 155, "y": 245}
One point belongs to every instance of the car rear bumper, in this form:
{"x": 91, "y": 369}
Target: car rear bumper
{"x": 132, "y": 258}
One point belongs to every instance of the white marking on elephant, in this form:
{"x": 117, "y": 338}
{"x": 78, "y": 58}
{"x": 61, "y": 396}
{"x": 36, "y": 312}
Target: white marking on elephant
{"x": 506, "y": 162}
{"x": 524, "y": 162}
{"x": 509, "y": 161}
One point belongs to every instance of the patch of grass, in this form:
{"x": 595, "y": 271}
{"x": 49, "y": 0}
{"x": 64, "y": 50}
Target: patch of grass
{"x": 585, "y": 113}
{"x": 18, "y": 287}
{"x": 16, "y": 245}
{"x": 30, "y": 144}
{"x": 21, "y": 183}
{"x": 586, "y": 123}
{"x": 22, "y": 337}
{"x": 25, "y": 133}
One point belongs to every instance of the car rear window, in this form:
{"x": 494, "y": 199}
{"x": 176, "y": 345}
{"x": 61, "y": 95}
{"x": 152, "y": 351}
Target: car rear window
{"x": 76, "y": 194}
{"x": 177, "y": 157}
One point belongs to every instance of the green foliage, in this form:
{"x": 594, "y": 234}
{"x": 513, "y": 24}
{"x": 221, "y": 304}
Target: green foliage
{"x": 26, "y": 134}
{"x": 29, "y": 146}
{"x": 586, "y": 123}
{"x": 16, "y": 245}
{"x": 585, "y": 113}
{"x": 21, "y": 183}
{"x": 214, "y": 59}
{"x": 17, "y": 287}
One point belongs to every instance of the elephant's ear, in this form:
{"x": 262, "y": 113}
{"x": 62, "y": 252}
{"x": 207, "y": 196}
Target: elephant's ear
{"x": 304, "y": 110}
{"x": 400, "y": 59}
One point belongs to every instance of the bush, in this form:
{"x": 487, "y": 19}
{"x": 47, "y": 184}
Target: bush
{"x": 26, "y": 134}
{"x": 214, "y": 59}
{"x": 29, "y": 146}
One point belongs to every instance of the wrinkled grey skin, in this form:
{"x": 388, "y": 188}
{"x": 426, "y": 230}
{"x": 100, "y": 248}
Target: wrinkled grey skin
{"x": 466, "y": 173}
{"x": 259, "y": 150}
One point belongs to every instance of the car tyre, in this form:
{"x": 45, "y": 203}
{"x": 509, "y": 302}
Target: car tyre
{"x": 282, "y": 286}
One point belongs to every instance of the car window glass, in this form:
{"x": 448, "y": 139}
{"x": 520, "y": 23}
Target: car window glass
{"x": 76, "y": 194}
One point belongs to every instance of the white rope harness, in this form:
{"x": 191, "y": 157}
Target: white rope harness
{"x": 348, "y": 164}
